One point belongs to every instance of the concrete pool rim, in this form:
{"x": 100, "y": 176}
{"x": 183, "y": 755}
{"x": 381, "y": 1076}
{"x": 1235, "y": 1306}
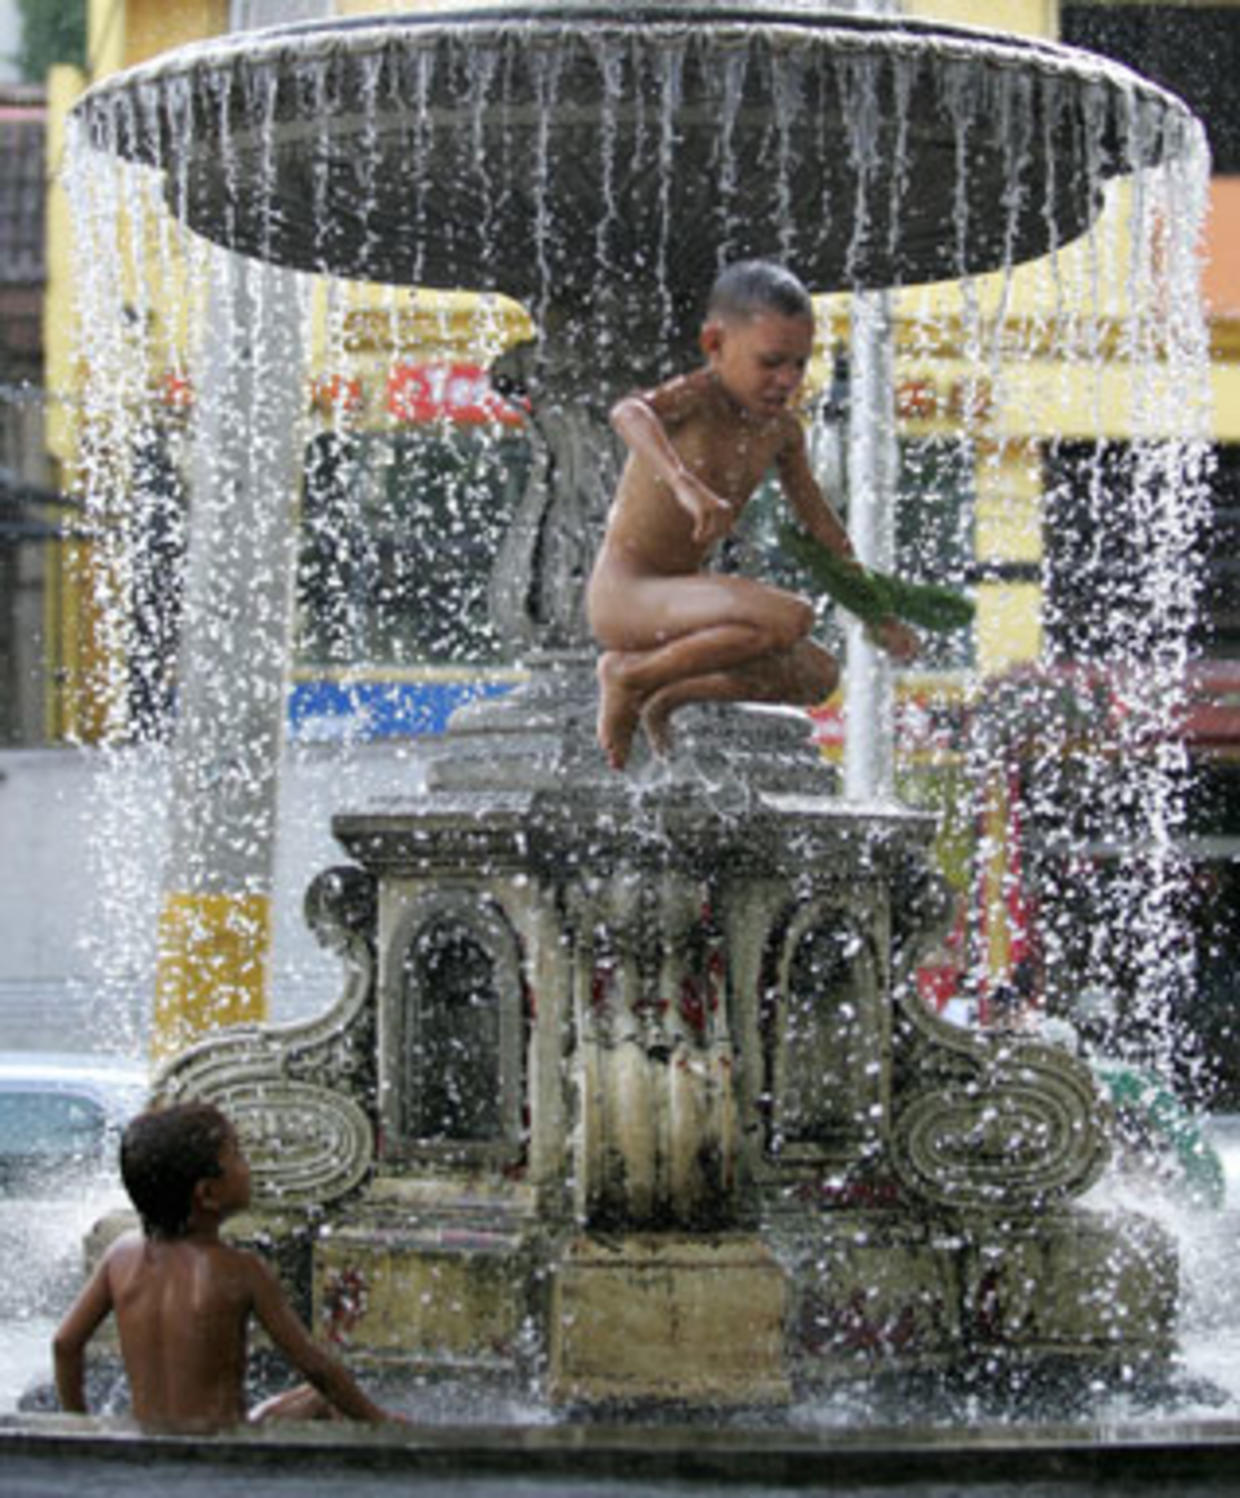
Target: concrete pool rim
{"x": 1143, "y": 1453}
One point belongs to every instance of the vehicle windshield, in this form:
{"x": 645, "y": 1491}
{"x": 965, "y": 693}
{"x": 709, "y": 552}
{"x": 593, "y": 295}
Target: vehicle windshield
{"x": 50, "y": 1124}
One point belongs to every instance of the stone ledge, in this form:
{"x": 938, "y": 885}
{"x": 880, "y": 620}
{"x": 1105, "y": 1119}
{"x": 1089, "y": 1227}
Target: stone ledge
{"x": 1144, "y": 1456}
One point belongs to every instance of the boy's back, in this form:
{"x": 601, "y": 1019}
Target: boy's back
{"x": 182, "y": 1309}
{"x": 183, "y": 1298}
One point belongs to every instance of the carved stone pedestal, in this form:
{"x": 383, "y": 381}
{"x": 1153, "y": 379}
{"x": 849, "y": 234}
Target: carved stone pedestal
{"x": 629, "y": 1095}
{"x": 698, "y": 1319}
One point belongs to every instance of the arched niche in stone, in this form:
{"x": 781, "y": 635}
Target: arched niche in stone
{"x": 825, "y": 1034}
{"x": 453, "y": 1033}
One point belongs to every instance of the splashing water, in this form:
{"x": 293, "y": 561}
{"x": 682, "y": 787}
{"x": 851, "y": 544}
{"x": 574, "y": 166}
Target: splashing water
{"x": 599, "y": 175}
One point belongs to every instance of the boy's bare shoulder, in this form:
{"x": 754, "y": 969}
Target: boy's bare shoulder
{"x": 124, "y": 1251}
{"x": 123, "y": 1266}
{"x": 789, "y": 434}
{"x": 132, "y": 1251}
{"x": 244, "y": 1263}
{"x": 249, "y": 1268}
{"x": 682, "y": 397}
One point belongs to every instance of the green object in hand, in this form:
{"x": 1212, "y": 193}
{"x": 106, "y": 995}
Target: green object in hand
{"x": 875, "y": 596}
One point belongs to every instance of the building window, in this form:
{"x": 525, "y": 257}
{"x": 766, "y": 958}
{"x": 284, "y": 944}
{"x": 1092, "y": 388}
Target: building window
{"x": 1104, "y": 511}
{"x": 250, "y": 15}
{"x": 1218, "y": 629}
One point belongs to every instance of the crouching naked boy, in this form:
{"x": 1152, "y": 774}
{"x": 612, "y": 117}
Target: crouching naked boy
{"x": 699, "y": 446}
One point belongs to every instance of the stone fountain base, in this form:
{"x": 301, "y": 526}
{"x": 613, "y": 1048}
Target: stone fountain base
{"x": 732, "y": 1320}
{"x": 629, "y": 1097}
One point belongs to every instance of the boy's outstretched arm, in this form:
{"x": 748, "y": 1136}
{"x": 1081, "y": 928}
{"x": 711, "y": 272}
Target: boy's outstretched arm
{"x": 315, "y": 1363}
{"x": 804, "y": 493}
{"x": 72, "y": 1335}
{"x": 638, "y": 422}
{"x": 814, "y": 510}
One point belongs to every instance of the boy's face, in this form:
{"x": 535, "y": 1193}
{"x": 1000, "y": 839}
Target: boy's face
{"x": 233, "y": 1182}
{"x": 760, "y": 362}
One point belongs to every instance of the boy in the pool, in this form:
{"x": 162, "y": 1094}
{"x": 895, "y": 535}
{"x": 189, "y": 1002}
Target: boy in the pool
{"x": 184, "y": 1299}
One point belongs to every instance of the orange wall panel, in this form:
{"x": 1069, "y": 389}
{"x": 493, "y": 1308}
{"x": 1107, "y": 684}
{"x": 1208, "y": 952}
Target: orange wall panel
{"x": 1221, "y": 282}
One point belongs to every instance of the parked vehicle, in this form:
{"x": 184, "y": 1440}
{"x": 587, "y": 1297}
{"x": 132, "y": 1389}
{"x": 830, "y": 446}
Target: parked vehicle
{"x": 61, "y": 1117}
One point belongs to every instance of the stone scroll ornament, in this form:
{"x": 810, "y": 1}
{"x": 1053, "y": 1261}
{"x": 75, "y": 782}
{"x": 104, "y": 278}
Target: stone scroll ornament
{"x": 292, "y": 1090}
{"x": 993, "y": 1120}
{"x": 1008, "y": 1126}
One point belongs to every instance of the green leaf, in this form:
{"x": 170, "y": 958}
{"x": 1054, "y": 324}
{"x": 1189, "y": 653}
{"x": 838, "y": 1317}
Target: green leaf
{"x": 874, "y": 596}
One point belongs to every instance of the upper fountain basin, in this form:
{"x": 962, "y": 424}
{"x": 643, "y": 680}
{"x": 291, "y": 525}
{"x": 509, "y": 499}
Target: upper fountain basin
{"x": 558, "y": 150}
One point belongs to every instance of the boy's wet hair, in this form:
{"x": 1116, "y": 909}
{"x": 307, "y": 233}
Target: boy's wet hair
{"x": 164, "y": 1154}
{"x": 749, "y": 287}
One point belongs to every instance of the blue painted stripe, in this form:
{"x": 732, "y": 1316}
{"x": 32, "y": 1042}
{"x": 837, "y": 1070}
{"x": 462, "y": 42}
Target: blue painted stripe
{"x": 327, "y": 711}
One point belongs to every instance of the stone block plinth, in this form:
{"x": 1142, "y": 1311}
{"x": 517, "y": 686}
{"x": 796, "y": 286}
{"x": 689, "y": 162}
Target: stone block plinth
{"x": 447, "y": 1301}
{"x": 668, "y": 1317}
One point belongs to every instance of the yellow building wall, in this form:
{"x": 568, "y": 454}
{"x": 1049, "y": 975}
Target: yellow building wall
{"x": 121, "y": 33}
{"x": 1007, "y": 629}
{"x": 1027, "y": 17}
{"x": 64, "y": 88}
{"x": 153, "y": 26}
{"x": 69, "y": 620}
{"x": 105, "y": 36}
{"x": 397, "y": 7}
{"x": 1008, "y": 517}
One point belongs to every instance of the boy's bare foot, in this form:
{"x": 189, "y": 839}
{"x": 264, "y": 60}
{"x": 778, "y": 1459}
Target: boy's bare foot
{"x": 619, "y": 708}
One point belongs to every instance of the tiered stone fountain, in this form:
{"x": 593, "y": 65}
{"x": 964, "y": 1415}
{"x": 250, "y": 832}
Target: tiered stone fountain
{"x": 627, "y": 1092}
